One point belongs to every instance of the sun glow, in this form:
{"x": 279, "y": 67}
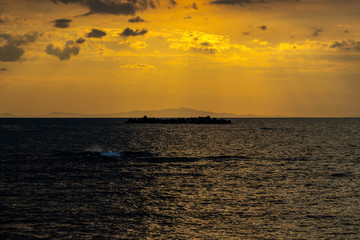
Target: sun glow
{"x": 261, "y": 58}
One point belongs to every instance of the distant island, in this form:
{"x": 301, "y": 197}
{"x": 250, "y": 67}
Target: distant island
{"x": 198, "y": 120}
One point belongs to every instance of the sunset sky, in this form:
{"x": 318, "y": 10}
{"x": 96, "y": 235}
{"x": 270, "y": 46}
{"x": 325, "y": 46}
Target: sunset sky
{"x": 266, "y": 57}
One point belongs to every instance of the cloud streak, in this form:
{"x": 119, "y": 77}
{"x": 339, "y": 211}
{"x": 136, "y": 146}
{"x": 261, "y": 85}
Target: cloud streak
{"x": 236, "y": 2}
{"x": 317, "y": 32}
{"x": 247, "y": 2}
{"x": 138, "y": 66}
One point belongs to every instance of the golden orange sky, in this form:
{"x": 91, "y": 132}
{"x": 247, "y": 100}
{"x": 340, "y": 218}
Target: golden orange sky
{"x": 284, "y": 57}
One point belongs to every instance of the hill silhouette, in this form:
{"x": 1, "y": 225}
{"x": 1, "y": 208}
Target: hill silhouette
{"x": 164, "y": 113}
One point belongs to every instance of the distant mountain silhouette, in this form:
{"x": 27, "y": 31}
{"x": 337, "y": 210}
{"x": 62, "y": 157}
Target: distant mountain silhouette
{"x": 172, "y": 112}
{"x": 62, "y": 114}
{"x": 2, "y": 115}
{"x": 164, "y": 113}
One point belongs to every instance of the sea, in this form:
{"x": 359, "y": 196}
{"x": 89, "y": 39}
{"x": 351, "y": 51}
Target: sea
{"x": 252, "y": 179}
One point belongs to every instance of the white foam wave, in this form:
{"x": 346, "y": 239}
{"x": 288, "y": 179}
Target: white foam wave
{"x": 111, "y": 154}
{"x": 96, "y": 150}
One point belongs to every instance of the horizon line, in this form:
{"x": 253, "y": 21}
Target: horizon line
{"x": 157, "y": 113}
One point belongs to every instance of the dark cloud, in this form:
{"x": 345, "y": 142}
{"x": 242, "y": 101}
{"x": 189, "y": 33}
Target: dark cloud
{"x": 12, "y": 50}
{"x": 205, "y": 44}
{"x": 117, "y": 7}
{"x": 80, "y": 41}
{"x": 246, "y": 33}
{"x": 62, "y": 23}
{"x": 2, "y": 21}
{"x": 194, "y": 6}
{"x": 4, "y": 69}
{"x": 346, "y": 31}
{"x": 263, "y": 27}
{"x": 95, "y": 33}
{"x": 70, "y": 49}
{"x": 349, "y": 45}
{"x": 20, "y": 40}
{"x": 130, "y": 32}
{"x": 317, "y": 32}
{"x": 152, "y": 4}
{"x": 187, "y": 17}
{"x": 173, "y": 2}
{"x": 10, "y": 53}
{"x": 136, "y": 19}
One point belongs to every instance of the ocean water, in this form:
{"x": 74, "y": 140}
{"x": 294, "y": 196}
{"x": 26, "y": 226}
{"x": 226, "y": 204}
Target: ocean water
{"x": 253, "y": 179}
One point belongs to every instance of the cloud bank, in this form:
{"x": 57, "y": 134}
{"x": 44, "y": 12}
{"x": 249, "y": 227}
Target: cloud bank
{"x": 116, "y": 7}
{"x": 349, "y": 45}
{"x": 236, "y": 2}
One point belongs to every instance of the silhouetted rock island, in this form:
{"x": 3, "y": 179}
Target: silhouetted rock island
{"x": 198, "y": 120}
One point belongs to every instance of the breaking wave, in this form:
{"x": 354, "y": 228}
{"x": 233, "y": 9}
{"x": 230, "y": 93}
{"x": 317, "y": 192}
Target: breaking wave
{"x": 100, "y": 152}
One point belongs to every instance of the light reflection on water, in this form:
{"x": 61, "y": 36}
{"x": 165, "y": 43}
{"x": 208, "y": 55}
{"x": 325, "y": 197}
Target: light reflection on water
{"x": 254, "y": 179}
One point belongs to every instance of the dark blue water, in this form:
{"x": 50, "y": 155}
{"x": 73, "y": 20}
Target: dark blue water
{"x": 253, "y": 179}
